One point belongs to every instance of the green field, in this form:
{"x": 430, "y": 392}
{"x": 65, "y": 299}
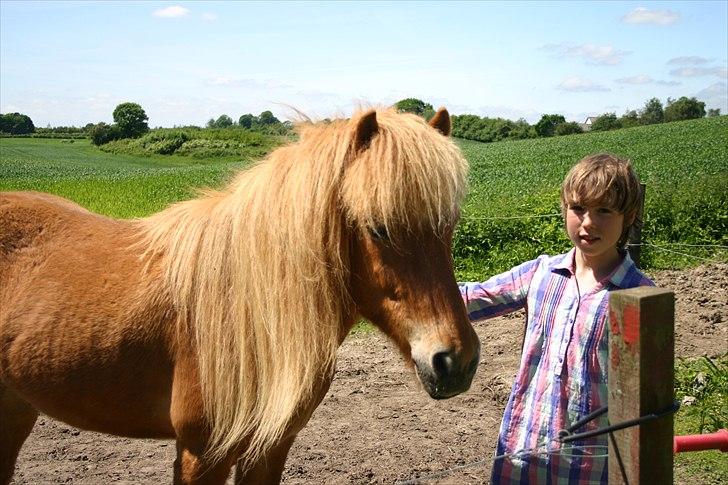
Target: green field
{"x": 115, "y": 185}
{"x": 683, "y": 164}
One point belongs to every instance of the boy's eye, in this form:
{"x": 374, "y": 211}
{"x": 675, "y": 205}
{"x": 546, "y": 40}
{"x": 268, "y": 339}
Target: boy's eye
{"x": 576, "y": 208}
{"x": 605, "y": 210}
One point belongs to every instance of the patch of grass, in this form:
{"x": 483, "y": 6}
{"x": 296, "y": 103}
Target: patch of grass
{"x": 114, "y": 185}
{"x": 219, "y": 143}
{"x": 362, "y": 328}
{"x": 702, "y": 386}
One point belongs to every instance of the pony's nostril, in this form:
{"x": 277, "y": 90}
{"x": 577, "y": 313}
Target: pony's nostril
{"x": 442, "y": 364}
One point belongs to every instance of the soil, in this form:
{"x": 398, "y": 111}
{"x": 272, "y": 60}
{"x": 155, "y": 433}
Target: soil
{"x": 376, "y": 425}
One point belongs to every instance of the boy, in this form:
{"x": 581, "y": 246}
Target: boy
{"x": 563, "y": 370}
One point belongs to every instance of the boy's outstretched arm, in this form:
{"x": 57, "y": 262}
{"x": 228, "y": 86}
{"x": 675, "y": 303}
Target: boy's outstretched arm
{"x": 501, "y": 294}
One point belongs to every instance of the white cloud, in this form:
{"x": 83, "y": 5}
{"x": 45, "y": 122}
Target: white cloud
{"x": 173, "y": 11}
{"x": 721, "y": 72}
{"x": 642, "y": 15}
{"x": 688, "y": 60}
{"x": 639, "y": 79}
{"x": 668, "y": 83}
{"x": 580, "y": 85}
{"x": 209, "y": 17}
{"x": 715, "y": 96}
{"x": 247, "y": 83}
{"x": 593, "y": 54}
{"x": 645, "y": 79}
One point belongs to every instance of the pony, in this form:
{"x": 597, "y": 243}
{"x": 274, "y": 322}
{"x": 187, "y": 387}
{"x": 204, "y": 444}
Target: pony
{"x": 216, "y": 321}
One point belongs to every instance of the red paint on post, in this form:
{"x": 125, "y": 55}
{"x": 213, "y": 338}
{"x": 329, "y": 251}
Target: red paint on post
{"x": 631, "y": 330}
{"x": 614, "y": 353}
{"x": 613, "y": 322}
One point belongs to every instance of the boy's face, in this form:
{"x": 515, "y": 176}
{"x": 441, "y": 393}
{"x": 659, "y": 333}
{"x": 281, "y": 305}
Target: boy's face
{"x": 594, "y": 230}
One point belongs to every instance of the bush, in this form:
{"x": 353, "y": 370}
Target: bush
{"x": 416, "y": 106}
{"x": 606, "y": 122}
{"x": 546, "y": 126}
{"x": 569, "y": 128}
{"x": 102, "y": 133}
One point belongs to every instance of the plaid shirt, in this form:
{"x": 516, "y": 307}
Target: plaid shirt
{"x": 563, "y": 371}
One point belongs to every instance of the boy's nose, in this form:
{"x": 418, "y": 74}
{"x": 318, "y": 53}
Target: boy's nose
{"x": 587, "y": 219}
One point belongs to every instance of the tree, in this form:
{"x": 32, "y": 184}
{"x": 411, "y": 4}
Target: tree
{"x": 16, "y": 124}
{"x": 522, "y": 130}
{"x": 224, "y": 121}
{"x": 102, "y": 133}
{"x": 211, "y": 123}
{"x": 267, "y": 118}
{"x": 713, "y": 113}
{"x": 569, "y": 128}
{"x": 652, "y": 112}
{"x": 547, "y": 124}
{"x": 629, "y": 119}
{"x": 131, "y": 119}
{"x": 606, "y": 122}
{"x": 684, "y": 109}
{"x": 247, "y": 121}
{"x": 416, "y": 106}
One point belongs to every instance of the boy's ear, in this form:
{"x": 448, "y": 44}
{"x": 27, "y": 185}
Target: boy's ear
{"x": 629, "y": 220}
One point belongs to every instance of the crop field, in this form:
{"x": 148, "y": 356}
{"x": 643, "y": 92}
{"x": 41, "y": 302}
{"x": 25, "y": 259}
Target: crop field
{"x": 111, "y": 184}
{"x": 684, "y": 166}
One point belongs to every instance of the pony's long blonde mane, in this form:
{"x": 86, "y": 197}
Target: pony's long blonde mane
{"x": 258, "y": 272}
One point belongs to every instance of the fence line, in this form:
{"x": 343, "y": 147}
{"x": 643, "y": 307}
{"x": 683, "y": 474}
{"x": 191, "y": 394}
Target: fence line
{"x": 533, "y": 216}
{"x": 660, "y": 248}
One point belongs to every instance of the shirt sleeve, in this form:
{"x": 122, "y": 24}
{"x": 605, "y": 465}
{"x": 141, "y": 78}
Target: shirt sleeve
{"x": 501, "y": 294}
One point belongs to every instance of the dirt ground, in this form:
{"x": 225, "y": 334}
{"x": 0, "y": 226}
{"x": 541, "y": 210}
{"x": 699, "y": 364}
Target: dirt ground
{"x": 376, "y": 425}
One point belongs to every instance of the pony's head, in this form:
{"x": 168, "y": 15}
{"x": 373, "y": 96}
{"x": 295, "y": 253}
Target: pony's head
{"x": 269, "y": 274}
{"x": 401, "y": 189}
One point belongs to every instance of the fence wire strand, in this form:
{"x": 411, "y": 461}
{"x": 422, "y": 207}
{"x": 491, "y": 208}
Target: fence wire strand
{"x": 661, "y": 248}
{"x": 484, "y": 218}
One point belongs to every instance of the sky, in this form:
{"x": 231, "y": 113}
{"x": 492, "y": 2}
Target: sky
{"x": 71, "y": 63}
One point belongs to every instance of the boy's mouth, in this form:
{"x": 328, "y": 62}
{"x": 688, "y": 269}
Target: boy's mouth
{"x": 588, "y": 239}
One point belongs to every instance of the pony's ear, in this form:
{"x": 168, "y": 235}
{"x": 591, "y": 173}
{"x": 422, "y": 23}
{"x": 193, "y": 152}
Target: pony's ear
{"x": 366, "y": 128}
{"x": 441, "y": 121}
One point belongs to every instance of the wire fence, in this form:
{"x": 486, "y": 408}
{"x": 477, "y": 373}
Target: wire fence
{"x": 487, "y": 218}
{"x": 665, "y": 247}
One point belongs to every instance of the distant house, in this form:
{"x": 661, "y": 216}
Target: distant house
{"x": 586, "y": 126}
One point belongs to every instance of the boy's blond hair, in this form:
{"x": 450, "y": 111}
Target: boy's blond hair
{"x": 604, "y": 180}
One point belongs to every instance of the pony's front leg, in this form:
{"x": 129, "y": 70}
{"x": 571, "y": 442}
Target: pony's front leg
{"x": 191, "y": 466}
{"x": 268, "y": 469}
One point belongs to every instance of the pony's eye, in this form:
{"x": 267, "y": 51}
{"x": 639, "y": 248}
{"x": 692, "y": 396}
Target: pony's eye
{"x": 378, "y": 233}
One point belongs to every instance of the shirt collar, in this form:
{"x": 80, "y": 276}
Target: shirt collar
{"x": 565, "y": 263}
{"x": 618, "y": 277}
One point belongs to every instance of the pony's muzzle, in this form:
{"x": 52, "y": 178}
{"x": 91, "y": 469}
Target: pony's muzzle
{"x": 445, "y": 374}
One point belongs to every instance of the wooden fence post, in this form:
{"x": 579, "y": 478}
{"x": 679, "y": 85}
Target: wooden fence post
{"x": 641, "y": 372}
{"x": 635, "y": 233}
